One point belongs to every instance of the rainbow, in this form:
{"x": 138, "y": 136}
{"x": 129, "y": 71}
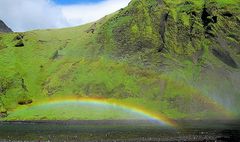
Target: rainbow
{"x": 151, "y": 116}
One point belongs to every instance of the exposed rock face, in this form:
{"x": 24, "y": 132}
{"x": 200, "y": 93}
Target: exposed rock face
{"x": 180, "y": 29}
{"x": 4, "y": 28}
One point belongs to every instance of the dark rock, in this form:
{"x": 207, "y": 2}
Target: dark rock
{"x": 208, "y": 20}
{"x": 92, "y": 28}
{"x": 4, "y": 28}
{"x": 225, "y": 57}
{"x": 205, "y": 17}
{"x": 194, "y": 13}
{"x": 18, "y": 37}
{"x": 19, "y": 44}
{"x": 3, "y": 114}
{"x": 23, "y": 85}
{"x": 55, "y": 55}
{"x": 25, "y": 102}
{"x": 227, "y": 14}
{"x": 214, "y": 18}
{"x": 163, "y": 22}
{"x": 160, "y": 49}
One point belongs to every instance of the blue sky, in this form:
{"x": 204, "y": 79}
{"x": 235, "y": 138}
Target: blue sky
{"x": 48, "y": 14}
{"x": 70, "y": 2}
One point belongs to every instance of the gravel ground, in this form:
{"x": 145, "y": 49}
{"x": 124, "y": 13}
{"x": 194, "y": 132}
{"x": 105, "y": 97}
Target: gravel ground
{"x": 118, "y": 131}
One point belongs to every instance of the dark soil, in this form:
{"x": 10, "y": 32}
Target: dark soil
{"x": 119, "y": 131}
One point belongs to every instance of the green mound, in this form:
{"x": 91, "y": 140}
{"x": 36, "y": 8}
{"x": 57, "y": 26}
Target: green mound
{"x": 179, "y": 58}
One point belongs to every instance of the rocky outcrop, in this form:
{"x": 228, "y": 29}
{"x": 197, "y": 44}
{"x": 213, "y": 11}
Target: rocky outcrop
{"x": 19, "y": 39}
{"x": 148, "y": 29}
{"x": 25, "y": 102}
{"x": 4, "y": 28}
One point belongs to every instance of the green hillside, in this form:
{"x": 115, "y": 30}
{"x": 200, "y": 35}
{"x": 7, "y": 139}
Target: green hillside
{"x": 179, "y": 58}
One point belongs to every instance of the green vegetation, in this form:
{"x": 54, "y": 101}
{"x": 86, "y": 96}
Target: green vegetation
{"x": 175, "y": 57}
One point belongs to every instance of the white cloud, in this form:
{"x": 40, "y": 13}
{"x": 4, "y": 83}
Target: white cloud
{"x": 76, "y": 14}
{"x": 24, "y": 15}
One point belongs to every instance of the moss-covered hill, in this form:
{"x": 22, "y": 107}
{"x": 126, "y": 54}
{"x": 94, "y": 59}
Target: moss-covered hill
{"x": 180, "y": 58}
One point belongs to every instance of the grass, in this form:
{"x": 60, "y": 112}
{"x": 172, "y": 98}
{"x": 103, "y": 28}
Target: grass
{"x": 109, "y": 64}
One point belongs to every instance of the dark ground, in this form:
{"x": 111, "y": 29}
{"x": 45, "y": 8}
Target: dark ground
{"x": 119, "y": 131}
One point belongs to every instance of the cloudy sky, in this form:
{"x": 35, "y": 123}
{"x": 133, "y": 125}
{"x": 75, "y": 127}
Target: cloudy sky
{"x": 25, "y": 15}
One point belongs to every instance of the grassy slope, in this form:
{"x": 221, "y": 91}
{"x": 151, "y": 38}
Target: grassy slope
{"x": 192, "y": 41}
{"x": 75, "y": 62}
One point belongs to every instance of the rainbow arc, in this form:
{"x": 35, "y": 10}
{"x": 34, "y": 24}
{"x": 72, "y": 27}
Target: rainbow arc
{"x": 148, "y": 115}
